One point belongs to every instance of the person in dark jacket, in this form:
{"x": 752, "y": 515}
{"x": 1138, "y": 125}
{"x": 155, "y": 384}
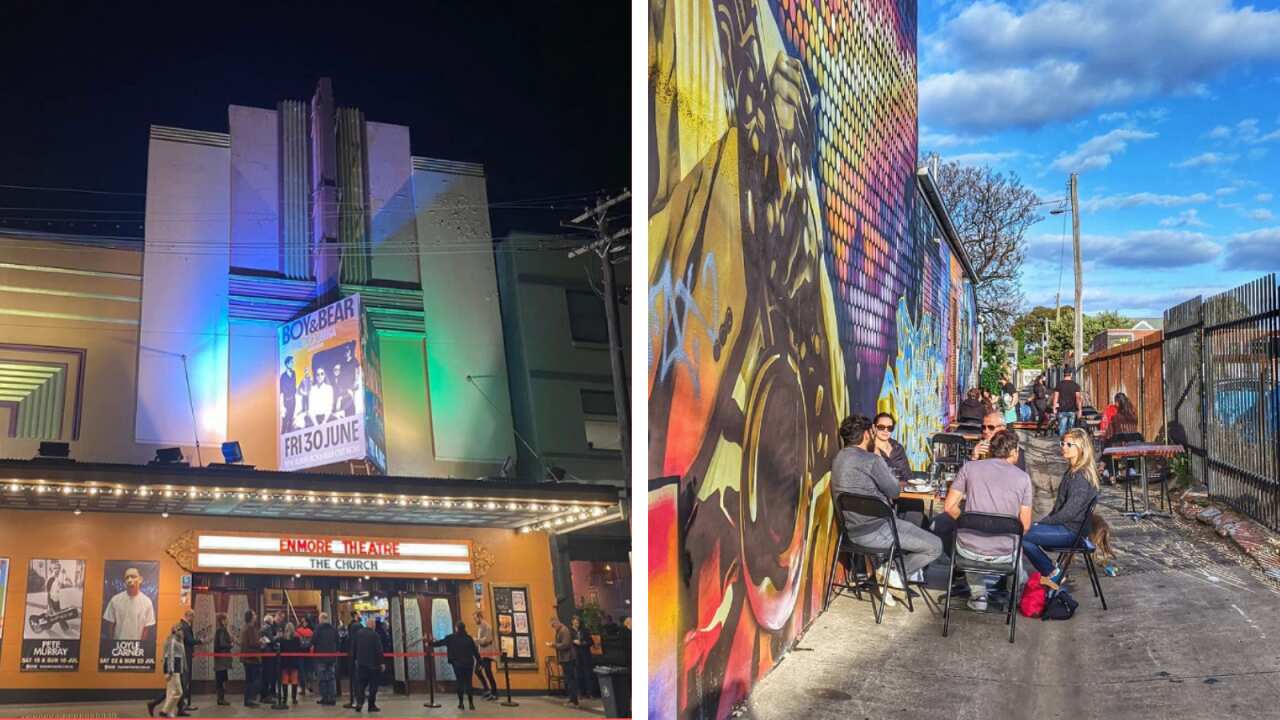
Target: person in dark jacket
{"x": 368, "y": 655}
{"x": 380, "y": 626}
{"x": 463, "y": 655}
{"x": 583, "y": 663}
{"x": 894, "y": 454}
{"x": 189, "y": 643}
{"x": 325, "y": 640}
{"x": 1059, "y": 528}
{"x": 222, "y": 644}
{"x": 565, "y": 656}
{"x": 271, "y": 629}
{"x": 353, "y": 675}
{"x": 251, "y": 642}
{"x": 1039, "y": 397}
{"x": 971, "y": 409}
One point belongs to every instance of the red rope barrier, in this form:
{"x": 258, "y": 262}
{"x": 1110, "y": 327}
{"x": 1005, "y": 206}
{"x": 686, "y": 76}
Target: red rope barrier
{"x": 328, "y": 655}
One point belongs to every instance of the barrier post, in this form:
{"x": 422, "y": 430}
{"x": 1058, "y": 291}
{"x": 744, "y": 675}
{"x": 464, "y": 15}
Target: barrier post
{"x": 430, "y": 660}
{"x": 506, "y": 677}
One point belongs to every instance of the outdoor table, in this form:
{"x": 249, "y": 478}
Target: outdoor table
{"x": 1142, "y": 452}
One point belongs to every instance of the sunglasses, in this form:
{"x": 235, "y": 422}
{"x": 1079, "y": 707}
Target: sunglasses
{"x": 993, "y": 427}
{"x": 886, "y": 428}
{"x": 1066, "y": 443}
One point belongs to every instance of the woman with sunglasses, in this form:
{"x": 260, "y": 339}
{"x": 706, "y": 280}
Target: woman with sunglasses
{"x": 891, "y": 450}
{"x": 1059, "y": 528}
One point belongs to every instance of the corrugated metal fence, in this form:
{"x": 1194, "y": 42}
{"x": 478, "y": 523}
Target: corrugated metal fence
{"x": 1210, "y": 382}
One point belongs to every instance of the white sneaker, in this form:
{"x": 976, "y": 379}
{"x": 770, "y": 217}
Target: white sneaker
{"x": 979, "y": 603}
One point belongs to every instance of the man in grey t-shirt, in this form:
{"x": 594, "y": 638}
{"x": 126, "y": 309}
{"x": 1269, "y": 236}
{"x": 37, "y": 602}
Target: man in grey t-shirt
{"x": 856, "y": 469}
{"x": 996, "y": 486}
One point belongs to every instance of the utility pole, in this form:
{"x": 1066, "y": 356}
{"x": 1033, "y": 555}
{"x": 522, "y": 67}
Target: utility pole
{"x": 610, "y": 246}
{"x": 1078, "y": 356}
{"x": 1044, "y": 347}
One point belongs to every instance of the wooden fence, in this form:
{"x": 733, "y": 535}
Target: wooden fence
{"x": 1135, "y": 370}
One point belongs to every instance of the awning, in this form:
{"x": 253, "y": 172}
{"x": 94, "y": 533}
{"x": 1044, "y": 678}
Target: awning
{"x": 231, "y": 491}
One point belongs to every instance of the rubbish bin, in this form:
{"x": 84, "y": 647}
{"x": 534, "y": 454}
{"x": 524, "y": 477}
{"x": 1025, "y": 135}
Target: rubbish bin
{"x": 615, "y": 690}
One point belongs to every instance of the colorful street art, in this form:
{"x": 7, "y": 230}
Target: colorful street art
{"x": 796, "y": 275}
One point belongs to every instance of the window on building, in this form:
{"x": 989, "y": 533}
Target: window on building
{"x": 600, "y": 420}
{"x": 587, "y": 321}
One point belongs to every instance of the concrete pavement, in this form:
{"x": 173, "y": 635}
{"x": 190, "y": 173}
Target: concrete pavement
{"x": 393, "y": 706}
{"x": 1192, "y": 632}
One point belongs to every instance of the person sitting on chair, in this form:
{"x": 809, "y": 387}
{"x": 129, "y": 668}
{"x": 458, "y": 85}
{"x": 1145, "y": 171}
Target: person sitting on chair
{"x": 857, "y": 469}
{"x": 1059, "y": 528}
{"x": 971, "y": 409}
{"x": 994, "y": 485}
{"x": 991, "y": 424}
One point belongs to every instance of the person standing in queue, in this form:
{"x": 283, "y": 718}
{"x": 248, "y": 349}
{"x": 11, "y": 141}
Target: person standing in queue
{"x": 368, "y": 660}
{"x": 290, "y": 664}
{"x": 251, "y": 642}
{"x": 325, "y": 640}
{"x": 484, "y": 668}
{"x": 565, "y": 656}
{"x": 222, "y": 665}
{"x": 353, "y": 675}
{"x": 189, "y": 643}
{"x": 582, "y": 661}
{"x": 463, "y": 655}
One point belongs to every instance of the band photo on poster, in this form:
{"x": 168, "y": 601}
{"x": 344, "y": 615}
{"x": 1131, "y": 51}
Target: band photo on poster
{"x": 55, "y": 612}
{"x": 127, "y": 640}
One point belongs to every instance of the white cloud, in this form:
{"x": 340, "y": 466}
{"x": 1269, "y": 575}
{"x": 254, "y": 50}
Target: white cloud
{"x": 983, "y": 158}
{"x": 1224, "y": 191}
{"x": 1257, "y": 250}
{"x": 1187, "y": 218}
{"x": 1114, "y": 202}
{"x": 1096, "y": 152}
{"x": 1113, "y": 117}
{"x": 1209, "y": 159}
{"x": 1222, "y": 132}
{"x": 1261, "y": 215}
{"x": 1263, "y": 197}
{"x": 1137, "y": 250}
{"x": 998, "y": 66}
{"x": 1143, "y": 302}
{"x": 930, "y": 140}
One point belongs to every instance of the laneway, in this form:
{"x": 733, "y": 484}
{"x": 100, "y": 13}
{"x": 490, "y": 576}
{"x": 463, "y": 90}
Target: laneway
{"x": 1191, "y": 633}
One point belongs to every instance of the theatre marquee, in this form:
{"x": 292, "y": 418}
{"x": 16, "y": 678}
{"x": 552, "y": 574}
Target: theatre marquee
{"x": 281, "y": 553}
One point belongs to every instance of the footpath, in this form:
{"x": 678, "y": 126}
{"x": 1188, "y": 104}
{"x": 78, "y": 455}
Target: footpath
{"x": 1193, "y": 631}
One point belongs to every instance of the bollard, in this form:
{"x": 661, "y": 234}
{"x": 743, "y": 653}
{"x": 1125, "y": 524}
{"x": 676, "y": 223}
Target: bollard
{"x": 431, "y": 680}
{"x": 506, "y": 677}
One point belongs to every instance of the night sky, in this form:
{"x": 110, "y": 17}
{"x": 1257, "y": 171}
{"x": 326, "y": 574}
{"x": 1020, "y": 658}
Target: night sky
{"x": 537, "y": 91}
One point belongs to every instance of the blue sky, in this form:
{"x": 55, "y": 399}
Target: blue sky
{"x": 1168, "y": 109}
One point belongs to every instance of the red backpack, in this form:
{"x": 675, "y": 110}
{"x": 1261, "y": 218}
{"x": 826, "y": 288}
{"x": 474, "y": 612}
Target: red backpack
{"x": 1031, "y": 603}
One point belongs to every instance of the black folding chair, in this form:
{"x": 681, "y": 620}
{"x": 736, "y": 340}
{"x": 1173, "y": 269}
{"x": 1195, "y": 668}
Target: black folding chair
{"x": 876, "y": 507}
{"x": 987, "y": 524}
{"x": 950, "y": 451}
{"x": 1081, "y": 546}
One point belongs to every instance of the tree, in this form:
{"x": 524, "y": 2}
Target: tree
{"x": 995, "y": 365}
{"x": 1061, "y": 330}
{"x": 991, "y": 212}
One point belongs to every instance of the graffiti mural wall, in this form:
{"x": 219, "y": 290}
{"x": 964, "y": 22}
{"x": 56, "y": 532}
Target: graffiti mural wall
{"x": 796, "y": 274}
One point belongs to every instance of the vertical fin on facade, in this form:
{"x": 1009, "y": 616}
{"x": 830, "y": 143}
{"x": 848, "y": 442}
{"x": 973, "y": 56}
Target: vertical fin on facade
{"x": 353, "y": 193}
{"x": 295, "y": 216}
{"x": 324, "y": 191}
